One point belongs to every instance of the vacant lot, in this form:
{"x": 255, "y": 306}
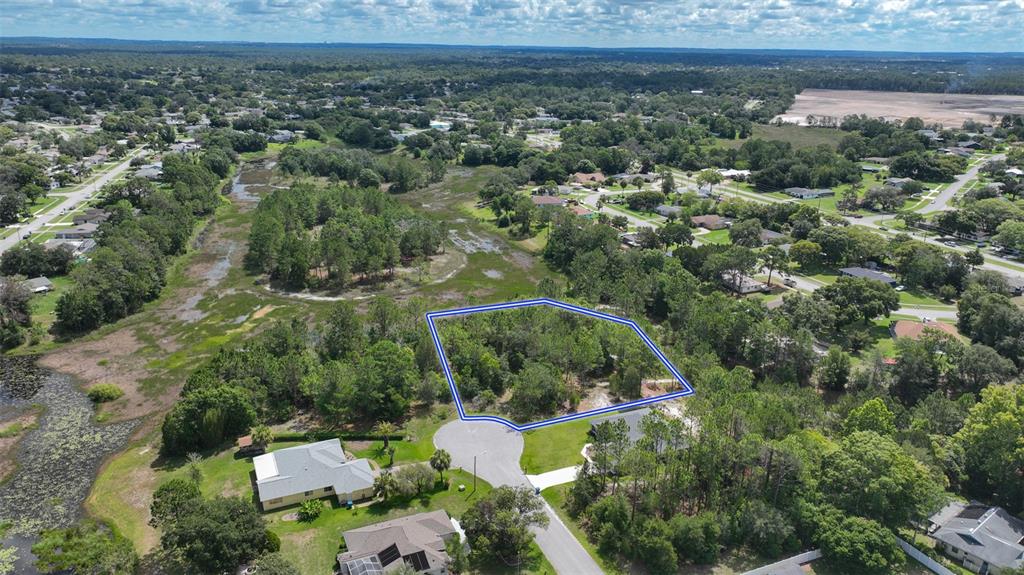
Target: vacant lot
{"x": 947, "y": 109}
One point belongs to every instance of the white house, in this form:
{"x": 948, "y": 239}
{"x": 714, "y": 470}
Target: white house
{"x": 312, "y": 471}
{"x": 984, "y": 539}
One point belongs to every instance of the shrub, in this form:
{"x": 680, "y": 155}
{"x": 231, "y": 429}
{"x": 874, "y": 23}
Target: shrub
{"x": 104, "y": 392}
{"x": 310, "y": 510}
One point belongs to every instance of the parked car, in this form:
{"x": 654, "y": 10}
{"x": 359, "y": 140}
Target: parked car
{"x": 950, "y": 244}
{"x": 900, "y": 288}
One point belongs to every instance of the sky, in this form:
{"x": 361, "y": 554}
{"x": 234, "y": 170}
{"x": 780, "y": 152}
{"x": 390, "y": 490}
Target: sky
{"x": 904, "y": 25}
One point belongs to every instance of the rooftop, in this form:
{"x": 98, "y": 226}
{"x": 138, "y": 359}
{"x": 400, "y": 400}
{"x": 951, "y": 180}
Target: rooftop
{"x": 989, "y": 533}
{"x": 419, "y": 540}
{"x": 309, "y": 467}
{"x": 915, "y": 329}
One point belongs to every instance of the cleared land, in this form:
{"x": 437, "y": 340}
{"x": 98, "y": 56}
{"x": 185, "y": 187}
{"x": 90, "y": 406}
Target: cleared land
{"x": 946, "y": 109}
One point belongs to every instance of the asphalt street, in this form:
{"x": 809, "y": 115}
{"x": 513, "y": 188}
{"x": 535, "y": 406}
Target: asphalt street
{"x": 497, "y": 450}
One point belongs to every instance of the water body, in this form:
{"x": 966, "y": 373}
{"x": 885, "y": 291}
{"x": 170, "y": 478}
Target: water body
{"x": 57, "y": 461}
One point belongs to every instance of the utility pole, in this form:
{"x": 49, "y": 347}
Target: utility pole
{"x": 474, "y": 474}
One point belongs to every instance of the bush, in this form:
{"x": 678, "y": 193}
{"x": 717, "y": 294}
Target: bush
{"x": 104, "y": 392}
{"x": 310, "y": 510}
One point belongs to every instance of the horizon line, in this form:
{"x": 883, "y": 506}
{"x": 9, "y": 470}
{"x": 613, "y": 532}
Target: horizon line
{"x": 329, "y": 43}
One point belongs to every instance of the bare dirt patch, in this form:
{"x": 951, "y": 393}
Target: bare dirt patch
{"x": 263, "y": 311}
{"x": 950, "y": 110}
{"x": 114, "y": 359}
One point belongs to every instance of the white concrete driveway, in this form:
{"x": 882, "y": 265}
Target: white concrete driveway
{"x": 497, "y": 450}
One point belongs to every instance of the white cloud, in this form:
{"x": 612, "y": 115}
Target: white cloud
{"x": 842, "y": 24}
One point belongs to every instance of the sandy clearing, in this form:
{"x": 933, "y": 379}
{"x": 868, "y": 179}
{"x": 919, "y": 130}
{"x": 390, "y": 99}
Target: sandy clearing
{"x": 950, "y": 110}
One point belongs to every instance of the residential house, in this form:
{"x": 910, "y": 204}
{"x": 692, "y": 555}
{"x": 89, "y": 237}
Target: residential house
{"x": 153, "y": 171}
{"x": 440, "y": 126}
{"x": 1015, "y": 172}
{"x": 710, "y": 222}
{"x": 915, "y": 329}
{"x": 969, "y": 145}
{"x": 858, "y": 272}
{"x": 957, "y": 151}
{"x": 809, "y": 194}
{"x": 91, "y": 216}
{"x": 38, "y": 285}
{"x": 667, "y": 211}
{"x": 581, "y": 211}
{"x": 931, "y": 135}
{"x": 871, "y": 169}
{"x": 183, "y": 147}
{"x": 282, "y": 136}
{"x": 417, "y": 541}
{"x": 984, "y": 539}
{"x": 588, "y": 177}
{"x": 898, "y": 183}
{"x": 735, "y": 174}
{"x": 768, "y": 236}
{"x": 649, "y": 177}
{"x": 744, "y": 285}
{"x": 77, "y": 247}
{"x": 312, "y": 471}
{"x": 630, "y": 239}
{"x": 80, "y": 232}
{"x": 547, "y": 201}
{"x": 704, "y": 191}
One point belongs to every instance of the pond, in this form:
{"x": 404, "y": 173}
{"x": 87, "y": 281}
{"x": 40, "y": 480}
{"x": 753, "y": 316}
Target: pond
{"x": 57, "y": 461}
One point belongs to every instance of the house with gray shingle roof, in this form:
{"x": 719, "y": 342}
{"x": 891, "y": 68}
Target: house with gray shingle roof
{"x": 984, "y": 539}
{"x": 417, "y": 541}
{"x": 312, "y": 471}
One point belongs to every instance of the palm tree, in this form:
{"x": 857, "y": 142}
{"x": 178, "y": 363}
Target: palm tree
{"x": 385, "y": 485}
{"x": 385, "y": 429}
{"x": 261, "y": 435}
{"x": 441, "y": 460}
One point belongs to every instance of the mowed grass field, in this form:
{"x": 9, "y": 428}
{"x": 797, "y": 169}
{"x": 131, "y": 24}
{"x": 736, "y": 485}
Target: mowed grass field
{"x": 798, "y": 136}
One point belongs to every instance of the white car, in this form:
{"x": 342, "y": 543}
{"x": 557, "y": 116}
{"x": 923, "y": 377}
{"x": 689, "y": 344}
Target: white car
{"x": 950, "y": 244}
{"x": 900, "y": 288}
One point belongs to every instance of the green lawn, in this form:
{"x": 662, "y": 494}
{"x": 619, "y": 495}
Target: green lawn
{"x": 798, "y": 136}
{"x": 554, "y": 447}
{"x": 419, "y": 442}
{"x": 715, "y": 237}
{"x": 918, "y": 297}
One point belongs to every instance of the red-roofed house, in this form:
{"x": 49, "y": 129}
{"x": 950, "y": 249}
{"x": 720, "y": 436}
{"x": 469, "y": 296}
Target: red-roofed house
{"x": 547, "y": 201}
{"x": 915, "y": 329}
{"x": 586, "y": 178}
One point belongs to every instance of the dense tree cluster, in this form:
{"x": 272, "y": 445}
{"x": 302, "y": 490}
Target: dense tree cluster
{"x": 363, "y": 369}
{"x": 545, "y": 358}
{"x": 329, "y": 236}
{"x": 748, "y": 466}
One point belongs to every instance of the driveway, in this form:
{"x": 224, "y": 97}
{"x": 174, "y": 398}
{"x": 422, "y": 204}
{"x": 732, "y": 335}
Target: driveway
{"x": 72, "y": 200}
{"x": 497, "y": 450}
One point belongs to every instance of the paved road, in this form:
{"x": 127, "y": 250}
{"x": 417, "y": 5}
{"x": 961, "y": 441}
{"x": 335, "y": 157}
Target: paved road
{"x": 497, "y": 450}
{"x": 941, "y": 202}
{"x": 72, "y": 200}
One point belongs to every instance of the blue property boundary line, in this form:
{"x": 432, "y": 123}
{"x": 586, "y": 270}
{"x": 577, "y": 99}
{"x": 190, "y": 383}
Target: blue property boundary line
{"x": 431, "y": 316}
